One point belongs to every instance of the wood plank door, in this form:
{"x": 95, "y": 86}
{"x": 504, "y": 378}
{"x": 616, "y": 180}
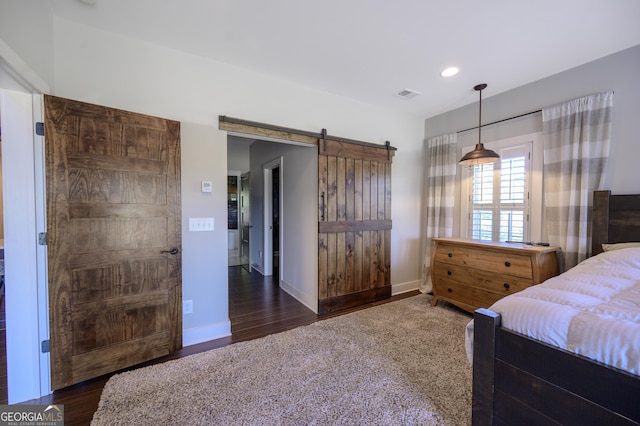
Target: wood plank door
{"x": 114, "y": 238}
{"x": 354, "y": 229}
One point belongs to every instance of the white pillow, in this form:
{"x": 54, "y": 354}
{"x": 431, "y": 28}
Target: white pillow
{"x": 618, "y": 246}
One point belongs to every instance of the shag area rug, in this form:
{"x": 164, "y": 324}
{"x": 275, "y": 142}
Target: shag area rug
{"x": 401, "y": 363}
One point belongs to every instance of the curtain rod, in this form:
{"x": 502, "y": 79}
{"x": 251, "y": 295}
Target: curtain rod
{"x": 499, "y": 121}
{"x": 507, "y": 119}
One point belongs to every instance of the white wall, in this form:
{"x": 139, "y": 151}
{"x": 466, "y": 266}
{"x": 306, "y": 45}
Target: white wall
{"x": 103, "y": 68}
{"x": 16, "y": 121}
{"x": 27, "y": 322}
{"x": 27, "y": 26}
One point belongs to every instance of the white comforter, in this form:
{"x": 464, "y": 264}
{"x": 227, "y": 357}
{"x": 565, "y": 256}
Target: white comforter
{"x": 592, "y": 309}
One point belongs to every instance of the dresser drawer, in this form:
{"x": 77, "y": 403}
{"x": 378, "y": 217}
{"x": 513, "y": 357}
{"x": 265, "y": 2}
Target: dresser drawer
{"x": 477, "y": 278}
{"x": 469, "y": 298}
{"x": 473, "y": 274}
{"x": 485, "y": 260}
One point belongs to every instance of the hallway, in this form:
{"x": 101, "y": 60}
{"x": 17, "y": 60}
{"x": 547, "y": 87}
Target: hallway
{"x": 258, "y": 307}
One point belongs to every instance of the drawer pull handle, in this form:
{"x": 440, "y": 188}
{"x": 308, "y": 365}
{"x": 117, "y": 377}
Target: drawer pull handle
{"x": 448, "y": 272}
{"x": 450, "y": 290}
{"x": 506, "y": 286}
{"x": 507, "y": 264}
{"x": 450, "y": 255}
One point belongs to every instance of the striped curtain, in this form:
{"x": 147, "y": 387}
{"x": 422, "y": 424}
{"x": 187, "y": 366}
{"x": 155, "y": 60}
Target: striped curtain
{"x": 439, "y": 196}
{"x": 576, "y": 137}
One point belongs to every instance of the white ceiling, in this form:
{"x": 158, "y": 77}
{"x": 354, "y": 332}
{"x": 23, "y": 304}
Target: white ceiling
{"x": 371, "y": 49}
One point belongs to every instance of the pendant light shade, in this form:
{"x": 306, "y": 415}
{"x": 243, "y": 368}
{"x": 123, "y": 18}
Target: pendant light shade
{"x": 480, "y": 155}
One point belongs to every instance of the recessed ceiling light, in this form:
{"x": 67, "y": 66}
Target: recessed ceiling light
{"x": 449, "y": 72}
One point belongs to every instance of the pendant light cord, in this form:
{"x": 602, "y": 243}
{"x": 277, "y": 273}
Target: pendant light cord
{"x": 480, "y": 118}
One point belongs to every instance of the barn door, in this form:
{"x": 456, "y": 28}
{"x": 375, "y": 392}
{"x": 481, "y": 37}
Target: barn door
{"x": 354, "y": 240}
{"x": 114, "y": 238}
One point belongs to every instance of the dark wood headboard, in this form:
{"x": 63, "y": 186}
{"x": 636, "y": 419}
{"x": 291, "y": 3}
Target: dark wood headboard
{"x": 615, "y": 219}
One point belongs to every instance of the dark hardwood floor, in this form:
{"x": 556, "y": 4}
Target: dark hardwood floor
{"x": 257, "y": 307}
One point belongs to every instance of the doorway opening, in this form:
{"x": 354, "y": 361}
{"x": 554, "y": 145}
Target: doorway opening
{"x": 245, "y": 220}
{"x": 273, "y": 201}
{"x": 275, "y": 235}
{"x": 238, "y": 218}
{"x": 233, "y": 217}
{"x": 277, "y": 213}
{"x": 26, "y": 305}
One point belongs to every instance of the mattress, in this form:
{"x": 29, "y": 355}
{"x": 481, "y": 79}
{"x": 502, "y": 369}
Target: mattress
{"x": 592, "y": 310}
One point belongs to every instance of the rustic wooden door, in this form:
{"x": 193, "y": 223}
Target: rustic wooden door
{"x": 114, "y": 238}
{"x": 354, "y": 240}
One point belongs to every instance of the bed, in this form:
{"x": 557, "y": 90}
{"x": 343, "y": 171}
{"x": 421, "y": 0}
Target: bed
{"x": 523, "y": 380}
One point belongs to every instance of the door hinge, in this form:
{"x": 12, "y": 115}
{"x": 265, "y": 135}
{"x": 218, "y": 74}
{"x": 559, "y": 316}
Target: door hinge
{"x": 39, "y": 128}
{"x": 42, "y": 238}
{"x": 45, "y": 346}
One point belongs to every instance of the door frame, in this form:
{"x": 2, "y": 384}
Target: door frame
{"x": 237, "y": 234}
{"x": 27, "y": 306}
{"x": 41, "y": 250}
{"x": 267, "y": 250}
{"x": 241, "y": 221}
{"x": 275, "y": 133}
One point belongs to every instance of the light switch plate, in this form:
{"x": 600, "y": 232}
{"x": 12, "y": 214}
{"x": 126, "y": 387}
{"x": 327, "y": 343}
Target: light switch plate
{"x": 197, "y": 224}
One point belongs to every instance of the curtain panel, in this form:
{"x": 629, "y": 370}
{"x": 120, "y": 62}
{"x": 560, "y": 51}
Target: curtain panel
{"x": 576, "y": 135}
{"x": 439, "y": 196}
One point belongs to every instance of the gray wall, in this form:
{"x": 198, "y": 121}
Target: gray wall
{"x": 238, "y": 153}
{"x": 618, "y": 72}
{"x": 204, "y": 254}
{"x": 299, "y": 216}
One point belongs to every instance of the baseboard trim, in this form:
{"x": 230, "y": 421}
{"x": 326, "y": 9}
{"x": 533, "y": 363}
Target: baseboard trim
{"x": 195, "y": 335}
{"x": 257, "y": 268}
{"x": 404, "y": 287}
{"x": 310, "y": 301}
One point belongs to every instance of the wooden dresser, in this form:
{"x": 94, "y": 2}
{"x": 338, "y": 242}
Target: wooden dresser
{"x": 474, "y": 274}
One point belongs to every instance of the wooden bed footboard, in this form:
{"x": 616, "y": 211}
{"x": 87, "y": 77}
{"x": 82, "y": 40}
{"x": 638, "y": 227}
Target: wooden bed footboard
{"x": 518, "y": 380}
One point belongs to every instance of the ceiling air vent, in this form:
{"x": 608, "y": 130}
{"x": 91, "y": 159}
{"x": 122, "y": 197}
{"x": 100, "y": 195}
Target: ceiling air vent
{"x": 407, "y": 94}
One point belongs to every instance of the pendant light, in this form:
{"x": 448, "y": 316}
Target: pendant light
{"x": 480, "y": 155}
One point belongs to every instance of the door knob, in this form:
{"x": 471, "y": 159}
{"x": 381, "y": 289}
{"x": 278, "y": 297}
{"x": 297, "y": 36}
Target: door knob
{"x": 173, "y": 251}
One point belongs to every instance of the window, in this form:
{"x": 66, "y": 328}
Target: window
{"x": 499, "y": 197}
